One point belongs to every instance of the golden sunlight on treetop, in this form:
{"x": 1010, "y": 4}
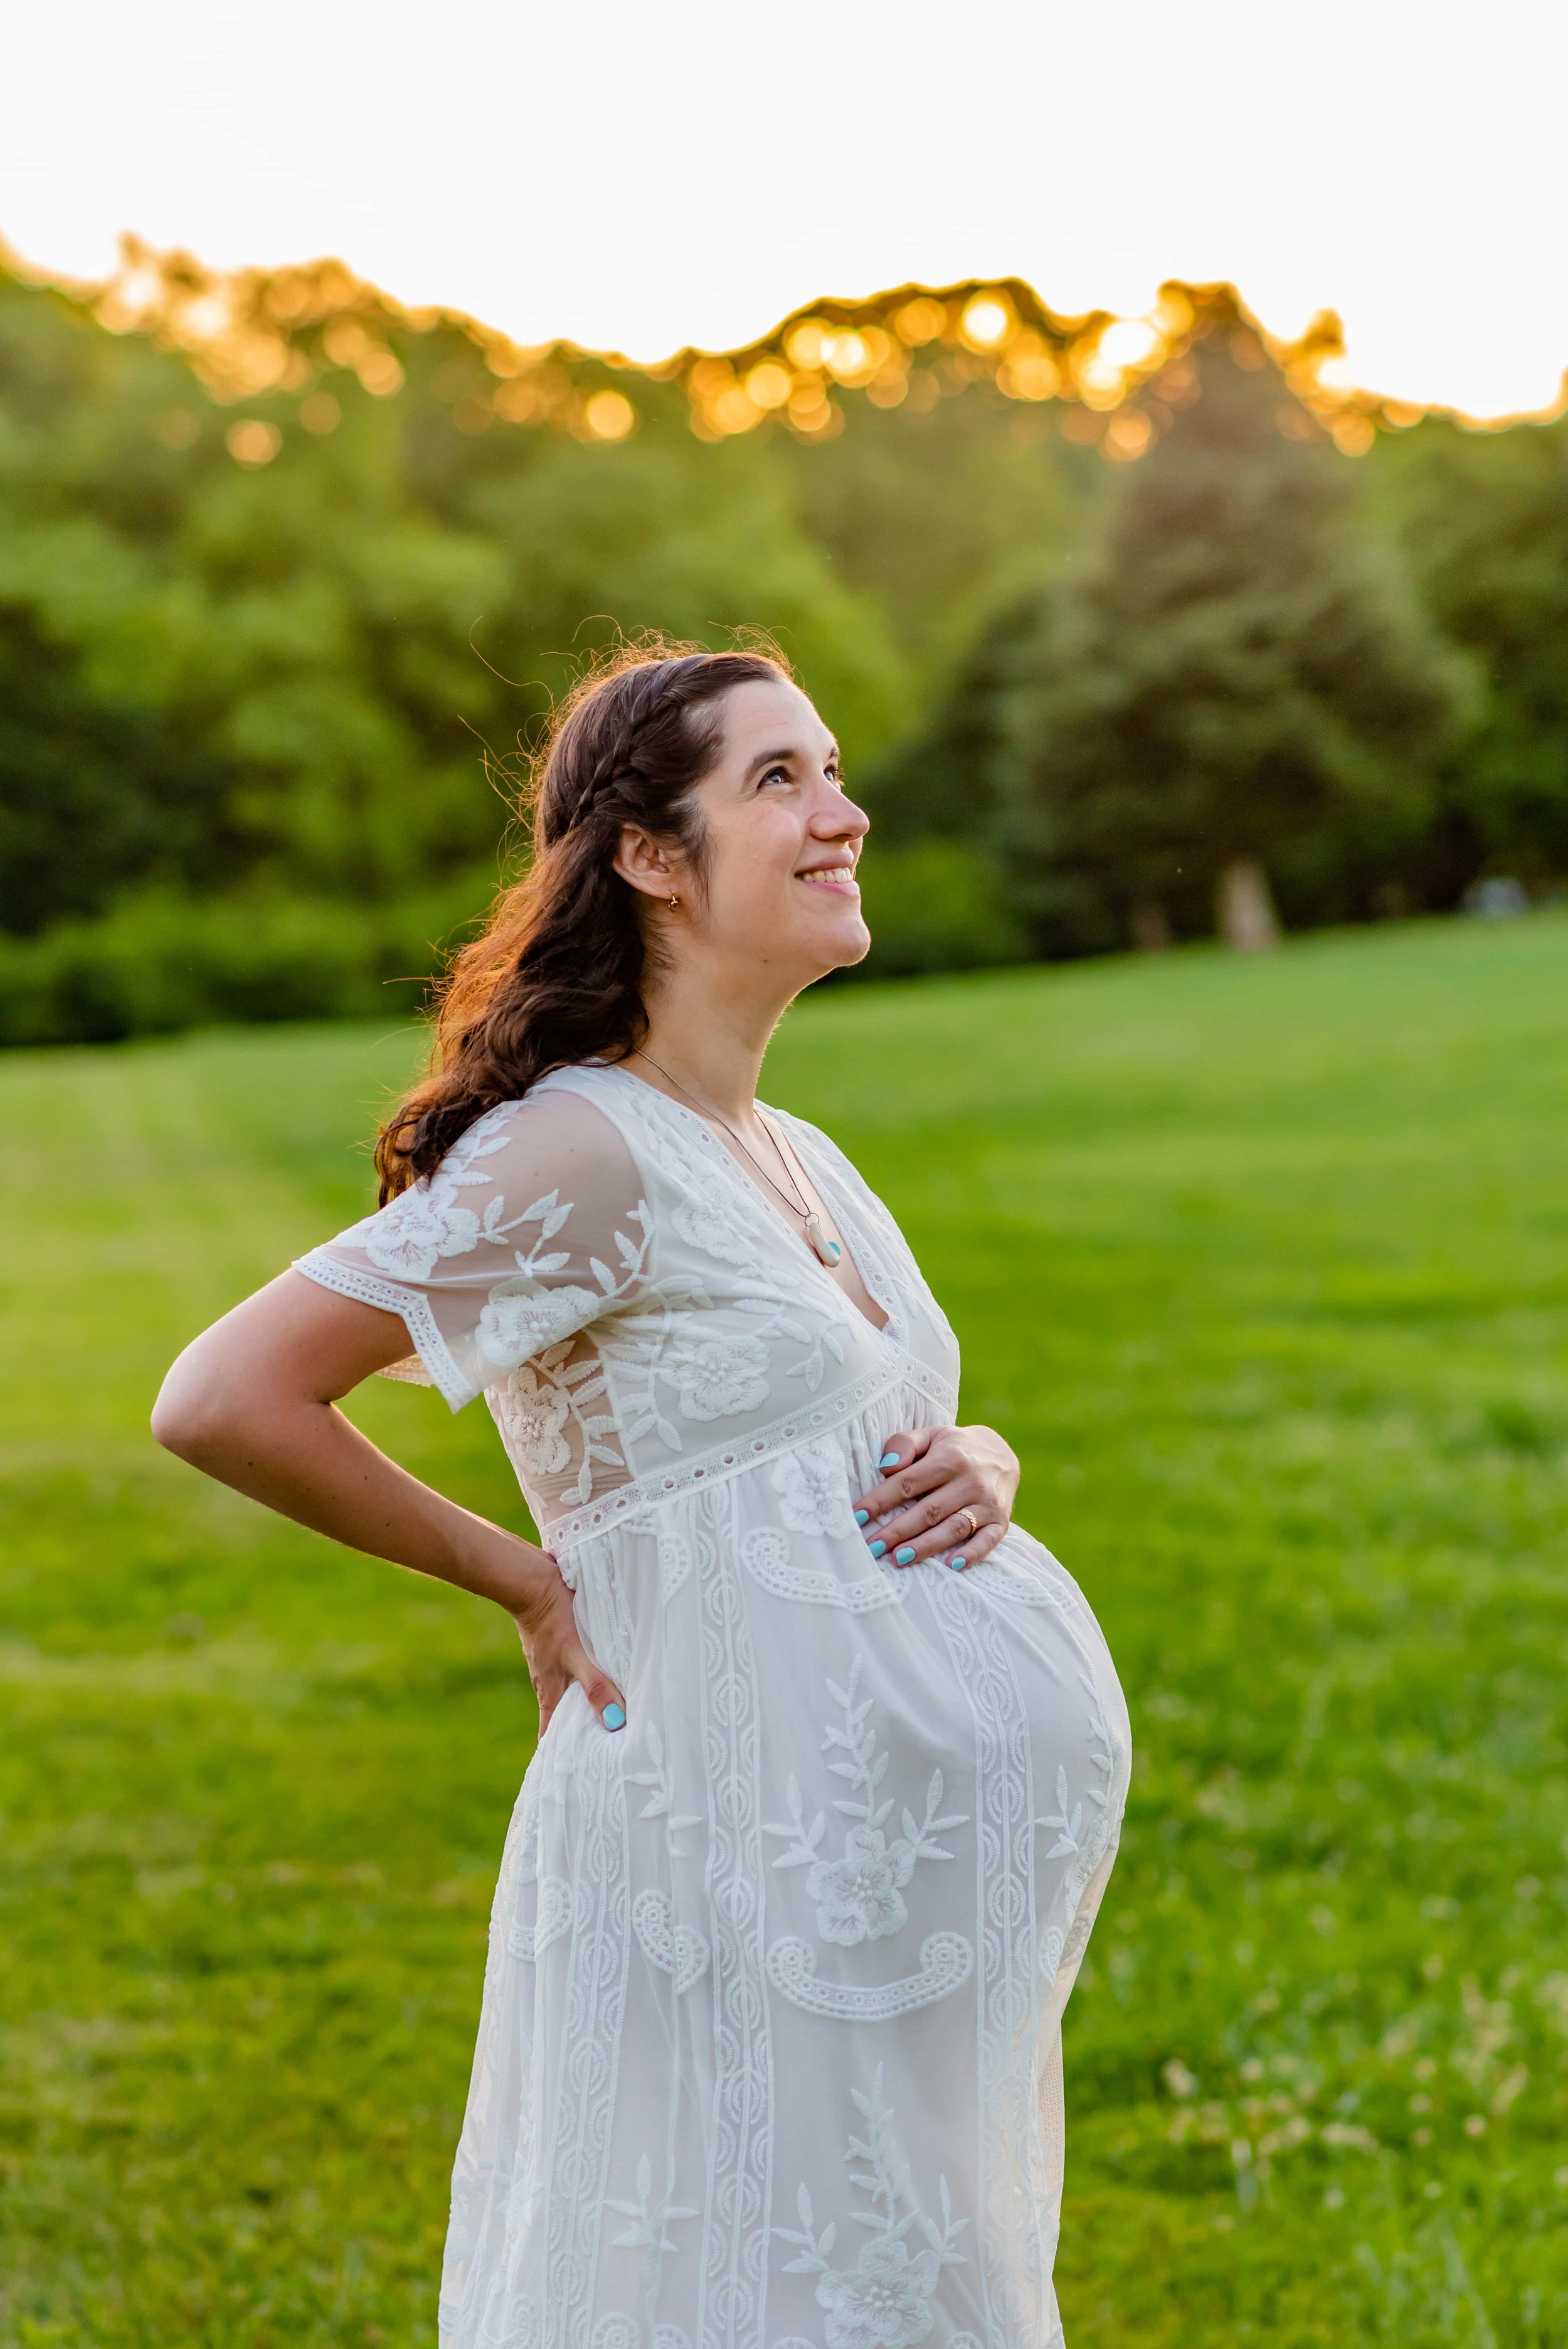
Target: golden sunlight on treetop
{"x": 308, "y": 333}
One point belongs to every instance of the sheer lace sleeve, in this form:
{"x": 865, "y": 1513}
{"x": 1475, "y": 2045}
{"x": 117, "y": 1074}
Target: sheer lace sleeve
{"x": 532, "y": 1228}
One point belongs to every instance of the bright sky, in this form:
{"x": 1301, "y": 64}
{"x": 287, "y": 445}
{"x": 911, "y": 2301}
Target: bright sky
{"x": 645, "y": 174}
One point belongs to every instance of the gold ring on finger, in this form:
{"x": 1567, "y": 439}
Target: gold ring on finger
{"x": 968, "y": 1517}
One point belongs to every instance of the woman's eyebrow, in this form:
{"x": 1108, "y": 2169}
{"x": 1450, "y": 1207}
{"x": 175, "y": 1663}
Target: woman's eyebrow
{"x": 773, "y": 759}
{"x": 783, "y": 758}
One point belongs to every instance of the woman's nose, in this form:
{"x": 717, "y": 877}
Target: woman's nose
{"x": 842, "y": 820}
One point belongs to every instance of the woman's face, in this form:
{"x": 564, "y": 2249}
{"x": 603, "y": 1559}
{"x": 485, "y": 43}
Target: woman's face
{"x": 779, "y": 890}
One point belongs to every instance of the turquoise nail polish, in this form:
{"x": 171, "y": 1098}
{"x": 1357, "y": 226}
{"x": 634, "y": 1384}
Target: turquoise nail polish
{"x": 959, "y": 1564}
{"x": 904, "y": 1557}
{"x": 613, "y": 1717}
{"x": 878, "y": 1547}
{"x": 888, "y": 1460}
{"x": 862, "y": 1516}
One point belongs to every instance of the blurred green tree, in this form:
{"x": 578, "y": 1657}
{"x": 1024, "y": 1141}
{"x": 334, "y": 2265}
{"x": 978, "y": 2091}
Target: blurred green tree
{"x": 1482, "y": 517}
{"x": 1230, "y": 680}
{"x": 269, "y": 647}
{"x": 281, "y": 563}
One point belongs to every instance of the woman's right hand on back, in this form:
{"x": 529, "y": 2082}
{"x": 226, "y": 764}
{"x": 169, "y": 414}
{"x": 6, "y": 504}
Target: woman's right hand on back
{"x": 547, "y": 1625}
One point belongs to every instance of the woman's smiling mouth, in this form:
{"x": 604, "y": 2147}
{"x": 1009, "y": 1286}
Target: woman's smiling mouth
{"x": 840, "y": 877}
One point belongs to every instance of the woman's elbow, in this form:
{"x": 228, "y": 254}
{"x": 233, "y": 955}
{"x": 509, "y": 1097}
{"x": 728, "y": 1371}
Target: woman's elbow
{"x": 181, "y": 1424}
{"x": 193, "y": 1416}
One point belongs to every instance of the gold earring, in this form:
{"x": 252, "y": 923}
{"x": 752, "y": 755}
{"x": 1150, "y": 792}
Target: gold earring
{"x": 674, "y": 903}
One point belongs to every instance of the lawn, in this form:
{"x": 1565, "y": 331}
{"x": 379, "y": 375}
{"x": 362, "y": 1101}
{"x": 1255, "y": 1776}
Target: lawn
{"x": 1263, "y": 1268}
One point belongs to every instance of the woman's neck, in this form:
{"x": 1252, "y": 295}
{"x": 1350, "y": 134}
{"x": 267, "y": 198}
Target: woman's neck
{"x": 710, "y": 1046}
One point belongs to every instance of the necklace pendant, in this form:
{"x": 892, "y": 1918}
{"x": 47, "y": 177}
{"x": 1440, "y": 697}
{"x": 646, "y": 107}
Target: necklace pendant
{"x": 828, "y": 1250}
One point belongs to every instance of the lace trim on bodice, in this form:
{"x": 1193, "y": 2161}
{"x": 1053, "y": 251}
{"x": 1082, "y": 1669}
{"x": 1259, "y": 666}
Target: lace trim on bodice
{"x": 728, "y": 1460}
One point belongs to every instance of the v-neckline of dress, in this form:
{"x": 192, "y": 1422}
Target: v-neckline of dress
{"x": 753, "y": 1190}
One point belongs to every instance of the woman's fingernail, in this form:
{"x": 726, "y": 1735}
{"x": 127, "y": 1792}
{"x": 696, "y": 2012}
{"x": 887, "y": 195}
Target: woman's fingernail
{"x": 613, "y": 1717}
{"x": 959, "y": 1564}
{"x": 877, "y": 1549}
{"x": 862, "y": 1516}
{"x": 888, "y": 1460}
{"x": 904, "y": 1557}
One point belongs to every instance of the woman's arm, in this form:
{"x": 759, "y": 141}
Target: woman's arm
{"x": 253, "y": 1402}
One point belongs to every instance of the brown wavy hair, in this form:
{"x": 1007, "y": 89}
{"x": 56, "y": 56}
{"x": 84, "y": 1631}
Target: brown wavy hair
{"x": 556, "y": 976}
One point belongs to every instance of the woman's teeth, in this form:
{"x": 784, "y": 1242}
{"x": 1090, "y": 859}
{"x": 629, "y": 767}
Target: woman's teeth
{"x": 835, "y": 875}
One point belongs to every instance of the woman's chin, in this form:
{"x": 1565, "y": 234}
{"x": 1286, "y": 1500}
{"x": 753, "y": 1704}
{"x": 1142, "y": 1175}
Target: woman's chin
{"x": 851, "y": 944}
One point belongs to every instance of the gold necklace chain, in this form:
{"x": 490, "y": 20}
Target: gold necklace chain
{"x": 828, "y": 1250}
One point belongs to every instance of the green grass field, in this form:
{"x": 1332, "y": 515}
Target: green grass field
{"x": 1263, "y": 1267}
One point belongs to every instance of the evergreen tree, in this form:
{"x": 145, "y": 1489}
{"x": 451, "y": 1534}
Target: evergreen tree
{"x": 1230, "y": 679}
{"x": 1483, "y": 520}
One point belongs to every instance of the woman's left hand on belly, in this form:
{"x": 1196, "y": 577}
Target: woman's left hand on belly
{"x": 946, "y": 1491}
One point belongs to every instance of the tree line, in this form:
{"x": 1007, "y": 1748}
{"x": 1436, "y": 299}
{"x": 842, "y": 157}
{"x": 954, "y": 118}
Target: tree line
{"x": 288, "y": 578}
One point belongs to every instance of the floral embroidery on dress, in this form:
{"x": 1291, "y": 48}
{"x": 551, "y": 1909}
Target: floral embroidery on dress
{"x": 516, "y": 1323}
{"x": 705, "y": 1224}
{"x": 657, "y": 1806}
{"x": 717, "y": 1377}
{"x": 551, "y": 1394}
{"x": 647, "y": 2231}
{"x": 884, "y": 2300}
{"x": 535, "y": 1416}
{"x": 860, "y": 1895}
{"x": 408, "y": 1238}
{"x": 1085, "y": 1844}
{"x": 813, "y": 1488}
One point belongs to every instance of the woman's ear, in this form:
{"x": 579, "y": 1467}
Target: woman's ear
{"x": 645, "y": 863}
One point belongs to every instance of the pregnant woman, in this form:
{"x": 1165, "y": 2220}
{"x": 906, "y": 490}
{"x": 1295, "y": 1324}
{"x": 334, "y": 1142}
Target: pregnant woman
{"x": 833, "y": 1754}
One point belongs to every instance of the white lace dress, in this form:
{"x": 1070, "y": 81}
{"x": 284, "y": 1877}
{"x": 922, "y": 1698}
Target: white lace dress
{"x": 770, "y": 2055}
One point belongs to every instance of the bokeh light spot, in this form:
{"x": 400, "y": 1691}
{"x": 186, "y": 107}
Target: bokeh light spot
{"x": 1128, "y": 435}
{"x": 845, "y": 356}
{"x": 609, "y": 416}
{"x": 768, "y": 385}
{"x": 987, "y": 321}
{"x": 922, "y": 320}
{"x": 806, "y": 342}
{"x": 1029, "y": 371}
{"x": 345, "y": 342}
{"x": 710, "y": 376}
{"x": 734, "y": 411}
{"x": 252, "y": 443}
{"x": 320, "y": 413}
{"x": 1128, "y": 342}
{"x": 380, "y": 373}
